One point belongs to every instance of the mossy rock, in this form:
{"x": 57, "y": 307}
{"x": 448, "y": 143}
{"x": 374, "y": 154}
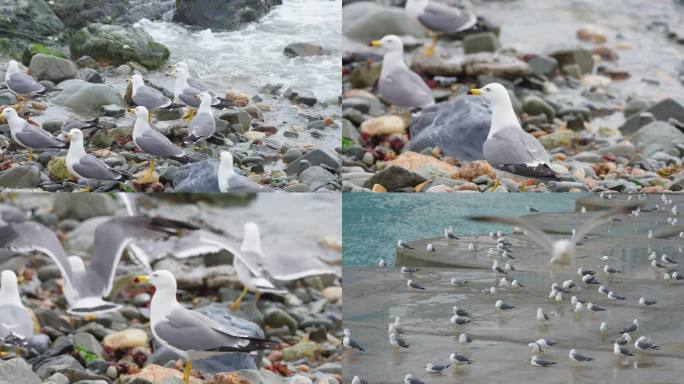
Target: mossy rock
{"x": 118, "y": 45}
{"x": 58, "y": 170}
{"x": 11, "y": 48}
{"x": 34, "y": 49}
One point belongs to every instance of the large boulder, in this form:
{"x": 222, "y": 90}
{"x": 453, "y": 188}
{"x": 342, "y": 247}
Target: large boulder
{"x": 53, "y": 68}
{"x": 662, "y": 111}
{"x": 201, "y": 176}
{"x": 79, "y": 13}
{"x": 657, "y": 136}
{"x": 221, "y": 14}
{"x": 17, "y": 371}
{"x": 29, "y": 19}
{"x": 366, "y": 21}
{"x": 458, "y": 127}
{"x": 85, "y": 97}
{"x": 118, "y": 45}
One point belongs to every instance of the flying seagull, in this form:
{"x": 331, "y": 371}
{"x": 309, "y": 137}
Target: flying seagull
{"x": 508, "y": 147}
{"x": 84, "y": 287}
{"x": 86, "y": 166}
{"x": 188, "y": 333}
{"x": 563, "y": 250}
{"x": 439, "y": 19}
{"x": 398, "y": 84}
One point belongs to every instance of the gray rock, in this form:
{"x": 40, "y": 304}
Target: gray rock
{"x": 21, "y": 176}
{"x": 239, "y": 117}
{"x": 481, "y": 42}
{"x": 543, "y": 65}
{"x": 565, "y": 186}
{"x": 201, "y": 176}
{"x": 657, "y": 136}
{"x": 56, "y": 364}
{"x": 86, "y": 62}
{"x": 394, "y": 178}
{"x": 664, "y": 110}
{"x": 86, "y": 98}
{"x": 494, "y": 64}
{"x": 535, "y": 105}
{"x": 304, "y": 50}
{"x": 291, "y": 155}
{"x": 53, "y": 68}
{"x": 366, "y": 21}
{"x": 276, "y": 317}
{"x": 90, "y": 75}
{"x": 459, "y": 127}
{"x": 118, "y": 45}
{"x": 38, "y": 342}
{"x": 581, "y": 57}
{"x": 87, "y": 342}
{"x": 221, "y": 14}
{"x": 316, "y": 177}
{"x": 32, "y": 19}
{"x": 17, "y": 371}
{"x": 635, "y": 106}
{"x": 77, "y": 14}
{"x": 321, "y": 157}
{"x": 300, "y": 96}
{"x": 85, "y": 207}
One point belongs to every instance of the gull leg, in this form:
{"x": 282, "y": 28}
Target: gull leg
{"x": 30, "y": 156}
{"x": 407, "y": 118}
{"x": 496, "y": 184}
{"x": 522, "y": 187}
{"x": 149, "y": 116}
{"x": 430, "y": 50}
{"x": 187, "y": 372}
{"x": 148, "y": 177}
{"x": 257, "y": 297}
{"x": 236, "y": 304}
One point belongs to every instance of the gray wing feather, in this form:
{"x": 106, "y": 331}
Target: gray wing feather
{"x": 415, "y": 380}
{"x": 15, "y": 320}
{"x": 35, "y": 137}
{"x": 31, "y": 236}
{"x": 150, "y": 98}
{"x": 188, "y": 97}
{"x": 90, "y": 167}
{"x": 239, "y": 183}
{"x": 156, "y": 144}
{"x": 184, "y": 330}
{"x": 440, "y": 18}
{"x": 514, "y": 146}
{"x": 405, "y": 88}
{"x": 24, "y": 84}
{"x": 203, "y": 125}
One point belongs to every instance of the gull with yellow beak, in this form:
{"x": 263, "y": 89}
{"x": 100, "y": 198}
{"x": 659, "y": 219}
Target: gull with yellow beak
{"x": 186, "y": 89}
{"x": 399, "y": 85}
{"x": 28, "y": 135}
{"x": 439, "y": 19}
{"x": 149, "y": 97}
{"x": 190, "y": 334}
{"x": 154, "y": 143}
{"x": 508, "y": 148}
{"x": 21, "y": 84}
{"x": 203, "y": 124}
{"x": 86, "y": 166}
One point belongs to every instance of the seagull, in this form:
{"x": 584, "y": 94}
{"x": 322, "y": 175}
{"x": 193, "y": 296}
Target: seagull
{"x": 410, "y": 379}
{"x": 595, "y": 308}
{"x": 632, "y": 327}
{"x": 230, "y": 181}
{"x": 398, "y": 84}
{"x": 646, "y": 302}
{"x": 603, "y": 328}
{"x": 411, "y": 284}
{"x": 610, "y": 270}
{"x": 539, "y": 362}
{"x": 503, "y": 282}
{"x": 614, "y": 296}
{"x": 439, "y": 19}
{"x": 460, "y": 311}
{"x": 349, "y": 343}
{"x": 464, "y": 339}
{"x": 459, "y": 359}
{"x": 203, "y": 124}
{"x": 358, "y": 380}
{"x": 15, "y": 319}
{"x": 86, "y": 166}
{"x": 382, "y": 263}
{"x": 578, "y": 308}
{"x": 546, "y": 343}
{"x": 28, "y": 135}
{"x": 531, "y": 209}
{"x": 583, "y": 272}
{"x": 496, "y": 268}
{"x": 449, "y": 234}
{"x": 396, "y": 341}
{"x": 623, "y": 339}
{"x": 503, "y": 306}
{"x": 430, "y": 248}
{"x": 432, "y": 368}
{"x": 509, "y": 267}
{"x": 603, "y": 290}
{"x": 153, "y": 142}
{"x": 569, "y": 284}
{"x": 148, "y": 97}
{"x": 559, "y": 296}
{"x": 535, "y": 347}
{"x": 666, "y": 259}
{"x": 84, "y": 287}
{"x": 516, "y": 284}
{"x": 459, "y": 320}
{"x": 458, "y": 282}
{"x": 656, "y": 264}
{"x": 574, "y": 300}
{"x": 578, "y": 357}
{"x": 186, "y": 89}
{"x": 508, "y": 148}
{"x": 541, "y": 316}
{"x": 409, "y": 270}
{"x": 20, "y": 83}
{"x": 621, "y": 351}
{"x": 188, "y": 333}
{"x": 402, "y": 244}
{"x": 644, "y": 343}
{"x": 562, "y": 251}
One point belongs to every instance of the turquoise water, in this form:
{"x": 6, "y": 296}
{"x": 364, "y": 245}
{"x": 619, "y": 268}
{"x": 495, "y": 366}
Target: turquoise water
{"x": 372, "y": 223}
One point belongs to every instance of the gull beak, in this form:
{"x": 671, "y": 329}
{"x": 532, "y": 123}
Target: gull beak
{"x": 197, "y": 97}
{"x": 131, "y": 110}
{"x": 142, "y": 279}
{"x": 475, "y": 92}
{"x": 375, "y": 43}
{"x": 67, "y": 136}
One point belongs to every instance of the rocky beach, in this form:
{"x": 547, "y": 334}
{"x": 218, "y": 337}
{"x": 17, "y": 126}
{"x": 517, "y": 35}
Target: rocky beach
{"x": 284, "y": 123}
{"x": 600, "y": 85}
{"x": 118, "y": 347}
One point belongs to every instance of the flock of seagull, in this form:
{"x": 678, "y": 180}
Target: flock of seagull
{"x": 189, "y": 333}
{"x": 563, "y": 254}
{"x": 84, "y": 166}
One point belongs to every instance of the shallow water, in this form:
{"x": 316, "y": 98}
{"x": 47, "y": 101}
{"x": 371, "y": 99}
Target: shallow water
{"x": 374, "y": 222}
